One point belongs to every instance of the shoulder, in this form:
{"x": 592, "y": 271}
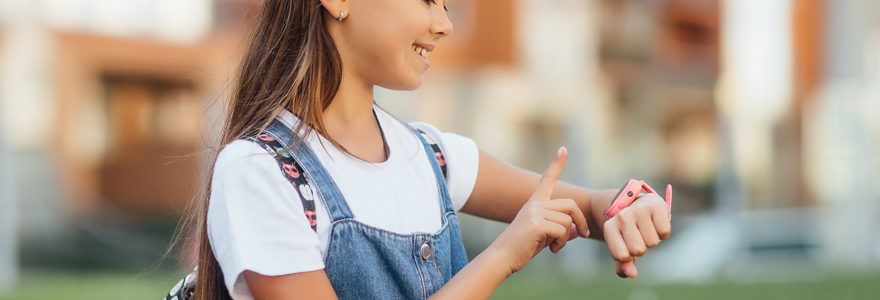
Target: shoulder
{"x": 431, "y": 131}
{"x": 242, "y": 154}
{"x": 448, "y": 141}
{"x": 244, "y": 168}
{"x": 461, "y": 157}
{"x": 240, "y": 150}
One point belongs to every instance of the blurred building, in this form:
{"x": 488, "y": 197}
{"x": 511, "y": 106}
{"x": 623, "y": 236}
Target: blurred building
{"x": 842, "y": 136}
{"x": 104, "y": 109}
{"x": 8, "y": 221}
{"x": 758, "y": 112}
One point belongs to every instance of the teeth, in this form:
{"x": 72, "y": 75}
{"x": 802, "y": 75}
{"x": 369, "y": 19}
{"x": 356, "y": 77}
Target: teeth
{"x": 421, "y": 51}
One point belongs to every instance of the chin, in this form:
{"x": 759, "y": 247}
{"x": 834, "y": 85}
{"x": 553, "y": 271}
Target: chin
{"x": 413, "y": 86}
{"x": 408, "y": 84}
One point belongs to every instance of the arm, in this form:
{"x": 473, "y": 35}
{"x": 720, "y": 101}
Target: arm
{"x": 502, "y": 189}
{"x": 306, "y": 285}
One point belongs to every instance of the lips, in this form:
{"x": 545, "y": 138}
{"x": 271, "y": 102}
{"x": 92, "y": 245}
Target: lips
{"x": 423, "y": 50}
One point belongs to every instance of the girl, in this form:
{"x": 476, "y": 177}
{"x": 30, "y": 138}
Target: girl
{"x": 318, "y": 193}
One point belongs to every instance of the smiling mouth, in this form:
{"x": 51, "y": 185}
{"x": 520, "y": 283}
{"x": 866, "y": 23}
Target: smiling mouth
{"x": 421, "y": 51}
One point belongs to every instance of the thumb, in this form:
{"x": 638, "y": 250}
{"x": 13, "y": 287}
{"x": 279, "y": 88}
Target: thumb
{"x": 626, "y": 269}
{"x": 548, "y": 180}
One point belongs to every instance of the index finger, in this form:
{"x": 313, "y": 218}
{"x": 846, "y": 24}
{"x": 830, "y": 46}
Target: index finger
{"x": 569, "y": 207}
{"x": 548, "y": 180}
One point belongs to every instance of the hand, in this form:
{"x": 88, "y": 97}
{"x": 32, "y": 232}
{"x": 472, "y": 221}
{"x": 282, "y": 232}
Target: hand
{"x": 541, "y": 222}
{"x": 636, "y": 228}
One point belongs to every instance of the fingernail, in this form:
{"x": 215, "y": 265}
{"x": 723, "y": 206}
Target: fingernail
{"x": 560, "y": 151}
{"x": 669, "y": 199}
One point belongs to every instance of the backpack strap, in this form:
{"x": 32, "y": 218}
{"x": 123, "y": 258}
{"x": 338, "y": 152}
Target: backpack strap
{"x": 437, "y": 152}
{"x": 185, "y": 288}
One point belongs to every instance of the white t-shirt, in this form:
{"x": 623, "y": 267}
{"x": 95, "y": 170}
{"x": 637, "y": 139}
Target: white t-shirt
{"x": 256, "y": 220}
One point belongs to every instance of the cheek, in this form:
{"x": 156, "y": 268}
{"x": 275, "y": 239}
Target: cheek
{"x": 370, "y": 42}
{"x": 386, "y": 58}
{"x": 380, "y": 41}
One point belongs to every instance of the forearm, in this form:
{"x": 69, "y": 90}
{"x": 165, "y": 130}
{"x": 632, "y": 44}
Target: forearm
{"x": 477, "y": 280}
{"x": 502, "y": 189}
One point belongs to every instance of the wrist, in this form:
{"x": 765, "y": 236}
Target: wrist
{"x": 495, "y": 257}
{"x": 603, "y": 201}
{"x": 599, "y": 201}
{"x": 478, "y": 279}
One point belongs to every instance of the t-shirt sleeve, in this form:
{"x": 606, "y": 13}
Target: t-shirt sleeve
{"x": 256, "y": 220}
{"x": 462, "y": 162}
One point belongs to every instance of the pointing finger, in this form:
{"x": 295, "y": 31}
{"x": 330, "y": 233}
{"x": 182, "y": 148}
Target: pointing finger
{"x": 570, "y": 208}
{"x": 548, "y": 180}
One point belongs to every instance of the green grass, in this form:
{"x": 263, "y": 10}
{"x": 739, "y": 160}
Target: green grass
{"x": 74, "y": 286}
{"x": 532, "y": 286}
{"x": 59, "y": 285}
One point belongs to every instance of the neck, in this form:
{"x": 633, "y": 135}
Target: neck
{"x": 351, "y": 110}
{"x": 350, "y": 121}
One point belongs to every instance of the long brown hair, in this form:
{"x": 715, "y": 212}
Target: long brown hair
{"x": 290, "y": 62}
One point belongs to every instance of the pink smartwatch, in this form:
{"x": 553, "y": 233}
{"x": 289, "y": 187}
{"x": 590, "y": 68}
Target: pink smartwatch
{"x": 629, "y": 193}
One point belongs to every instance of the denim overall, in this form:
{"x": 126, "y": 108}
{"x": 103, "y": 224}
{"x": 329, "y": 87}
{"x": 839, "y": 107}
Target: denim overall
{"x": 365, "y": 262}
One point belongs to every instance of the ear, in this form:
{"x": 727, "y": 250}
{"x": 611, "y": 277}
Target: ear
{"x": 335, "y": 7}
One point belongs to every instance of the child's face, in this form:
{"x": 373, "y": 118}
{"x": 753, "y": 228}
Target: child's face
{"x": 377, "y": 38}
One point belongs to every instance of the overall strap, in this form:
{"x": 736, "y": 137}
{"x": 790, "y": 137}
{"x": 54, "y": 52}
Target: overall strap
{"x": 313, "y": 169}
{"x": 438, "y": 164}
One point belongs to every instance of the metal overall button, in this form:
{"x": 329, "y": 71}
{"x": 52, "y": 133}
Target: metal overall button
{"x": 425, "y": 251}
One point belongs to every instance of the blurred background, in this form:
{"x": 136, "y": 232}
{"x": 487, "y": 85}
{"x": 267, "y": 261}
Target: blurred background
{"x": 761, "y": 114}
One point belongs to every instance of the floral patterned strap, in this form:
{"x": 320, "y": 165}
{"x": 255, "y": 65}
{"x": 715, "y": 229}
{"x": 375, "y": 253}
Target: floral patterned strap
{"x": 437, "y": 152}
{"x": 184, "y": 288}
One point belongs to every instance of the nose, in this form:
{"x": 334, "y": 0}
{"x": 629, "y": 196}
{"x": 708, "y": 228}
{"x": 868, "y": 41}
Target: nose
{"x": 442, "y": 26}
